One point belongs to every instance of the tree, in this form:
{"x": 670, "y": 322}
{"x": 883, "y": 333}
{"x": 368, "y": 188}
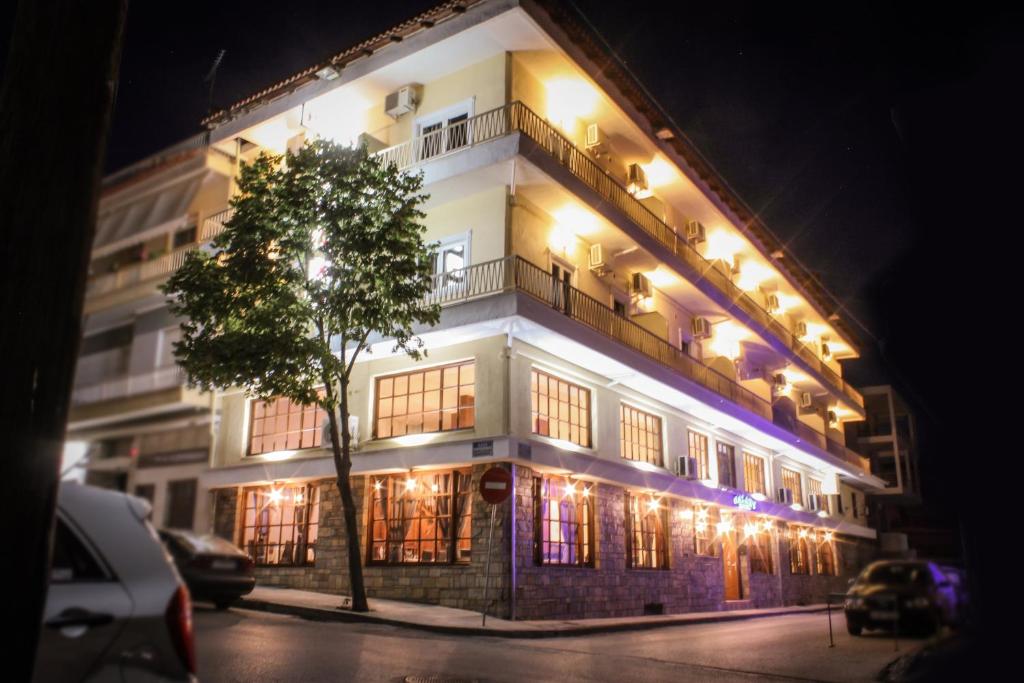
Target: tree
{"x": 325, "y": 250}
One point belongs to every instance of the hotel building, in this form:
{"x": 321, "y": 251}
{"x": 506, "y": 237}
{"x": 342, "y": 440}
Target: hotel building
{"x": 660, "y": 376}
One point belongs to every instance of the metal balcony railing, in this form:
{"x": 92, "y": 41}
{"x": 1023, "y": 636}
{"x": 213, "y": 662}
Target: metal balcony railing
{"x": 137, "y": 272}
{"x": 517, "y": 117}
{"x": 214, "y": 225}
{"x": 129, "y": 385}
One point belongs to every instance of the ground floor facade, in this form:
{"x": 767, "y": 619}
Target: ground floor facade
{"x": 561, "y": 547}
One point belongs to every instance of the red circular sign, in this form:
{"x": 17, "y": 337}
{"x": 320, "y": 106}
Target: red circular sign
{"x": 496, "y": 485}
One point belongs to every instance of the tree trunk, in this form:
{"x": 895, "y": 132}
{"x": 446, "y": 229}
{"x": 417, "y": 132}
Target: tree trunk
{"x": 55, "y": 105}
{"x": 343, "y": 466}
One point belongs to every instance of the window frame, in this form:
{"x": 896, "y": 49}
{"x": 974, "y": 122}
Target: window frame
{"x": 731, "y": 460}
{"x": 535, "y": 377}
{"x": 799, "y": 552}
{"x": 749, "y": 457}
{"x": 458, "y": 409}
{"x": 585, "y": 535}
{"x": 798, "y": 494}
{"x": 759, "y": 550}
{"x": 311, "y": 515}
{"x": 658, "y": 458}
{"x": 829, "y": 551}
{"x": 705, "y": 543}
{"x": 317, "y": 429}
{"x": 457, "y": 497}
{"x": 660, "y": 533}
{"x": 703, "y": 459}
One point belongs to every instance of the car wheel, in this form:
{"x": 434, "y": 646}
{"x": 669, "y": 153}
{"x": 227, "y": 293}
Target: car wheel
{"x": 223, "y": 604}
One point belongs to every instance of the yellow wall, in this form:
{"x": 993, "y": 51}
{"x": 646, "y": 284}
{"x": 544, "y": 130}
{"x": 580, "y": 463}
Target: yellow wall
{"x": 483, "y": 214}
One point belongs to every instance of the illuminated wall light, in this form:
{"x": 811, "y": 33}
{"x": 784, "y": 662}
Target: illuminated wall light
{"x": 570, "y": 99}
{"x": 753, "y": 275}
{"x": 723, "y": 527}
{"x": 653, "y": 504}
{"x": 686, "y": 515}
{"x": 570, "y": 490}
{"x": 298, "y": 498}
{"x": 410, "y": 484}
{"x": 701, "y": 527}
{"x": 661, "y": 277}
{"x": 562, "y": 239}
{"x": 749, "y": 530}
{"x": 828, "y": 537}
{"x": 726, "y": 338}
{"x": 586, "y": 491}
{"x": 766, "y": 525}
{"x": 802, "y": 533}
{"x": 276, "y": 495}
{"x": 378, "y": 485}
{"x": 660, "y": 173}
{"x": 787, "y": 302}
{"x": 577, "y": 219}
{"x": 723, "y": 245}
{"x": 702, "y": 515}
{"x": 434, "y": 488}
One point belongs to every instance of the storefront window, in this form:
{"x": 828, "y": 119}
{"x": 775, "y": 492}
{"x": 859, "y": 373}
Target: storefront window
{"x": 759, "y": 545}
{"x": 827, "y": 565}
{"x": 564, "y": 514}
{"x": 646, "y": 533}
{"x": 705, "y": 529}
{"x": 560, "y": 409}
{"x": 799, "y": 557}
{"x": 434, "y": 400}
{"x": 639, "y": 435}
{"x": 280, "y": 424}
{"x": 424, "y": 518}
{"x": 279, "y": 524}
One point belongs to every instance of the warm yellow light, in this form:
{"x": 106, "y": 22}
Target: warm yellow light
{"x": 570, "y": 99}
{"x": 753, "y": 275}
{"x": 570, "y": 490}
{"x": 341, "y": 116}
{"x": 815, "y": 330}
{"x": 749, "y": 530}
{"x": 275, "y": 496}
{"x": 586, "y": 491}
{"x": 577, "y": 220}
{"x": 802, "y": 533}
{"x": 434, "y": 488}
{"x": 794, "y": 376}
{"x": 702, "y": 515}
{"x": 660, "y": 172}
{"x": 787, "y": 302}
{"x": 653, "y": 504}
{"x": 298, "y": 498}
{"x": 410, "y": 484}
{"x": 377, "y": 485}
{"x": 828, "y": 537}
{"x": 701, "y": 527}
{"x": 661, "y": 277}
{"x": 723, "y": 245}
{"x": 686, "y": 515}
{"x": 766, "y": 525}
{"x": 726, "y": 338}
{"x": 723, "y": 527}
{"x": 562, "y": 239}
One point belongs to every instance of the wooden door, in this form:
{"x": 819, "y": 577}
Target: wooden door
{"x": 731, "y": 562}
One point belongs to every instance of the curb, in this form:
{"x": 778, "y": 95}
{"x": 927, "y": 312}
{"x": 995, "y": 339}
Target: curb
{"x": 345, "y": 616}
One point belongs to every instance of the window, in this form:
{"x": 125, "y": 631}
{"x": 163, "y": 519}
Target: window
{"x": 826, "y": 556}
{"x": 753, "y": 474}
{"x": 699, "y": 451}
{"x": 280, "y": 424}
{"x": 814, "y": 489}
{"x": 564, "y": 522}
{"x": 799, "y": 558}
{"x": 726, "y": 464}
{"x": 452, "y": 258}
{"x": 181, "y": 504}
{"x": 279, "y": 526}
{"x": 646, "y": 533}
{"x": 72, "y": 560}
{"x": 705, "y": 528}
{"x": 435, "y": 400}
{"x": 560, "y": 409}
{"x": 444, "y": 132}
{"x": 760, "y": 547}
{"x": 639, "y": 435}
{"x": 791, "y": 481}
{"x": 421, "y": 519}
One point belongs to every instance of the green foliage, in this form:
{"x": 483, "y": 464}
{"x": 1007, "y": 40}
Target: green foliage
{"x": 254, "y": 314}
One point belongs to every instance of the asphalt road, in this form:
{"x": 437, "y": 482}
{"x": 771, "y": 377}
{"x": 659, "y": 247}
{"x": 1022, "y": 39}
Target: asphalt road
{"x": 244, "y": 645}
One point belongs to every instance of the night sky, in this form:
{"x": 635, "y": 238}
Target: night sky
{"x": 855, "y": 134}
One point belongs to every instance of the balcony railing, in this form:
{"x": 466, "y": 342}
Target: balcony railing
{"x": 129, "y": 385}
{"x": 214, "y": 225}
{"x": 138, "y": 272}
{"x": 843, "y": 453}
{"x": 517, "y": 117}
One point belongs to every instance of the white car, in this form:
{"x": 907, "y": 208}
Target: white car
{"x": 116, "y": 609}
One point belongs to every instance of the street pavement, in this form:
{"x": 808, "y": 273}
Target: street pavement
{"x": 245, "y": 645}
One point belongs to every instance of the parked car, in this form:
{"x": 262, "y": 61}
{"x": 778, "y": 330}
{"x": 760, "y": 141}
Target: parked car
{"x": 911, "y": 595}
{"x": 116, "y": 608}
{"x": 213, "y": 568}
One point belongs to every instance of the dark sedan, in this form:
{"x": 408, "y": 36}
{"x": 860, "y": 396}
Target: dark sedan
{"x": 910, "y": 595}
{"x": 213, "y": 569}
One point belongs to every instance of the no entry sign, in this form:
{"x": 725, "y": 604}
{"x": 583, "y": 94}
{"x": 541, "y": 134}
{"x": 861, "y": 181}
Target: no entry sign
{"x": 495, "y": 485}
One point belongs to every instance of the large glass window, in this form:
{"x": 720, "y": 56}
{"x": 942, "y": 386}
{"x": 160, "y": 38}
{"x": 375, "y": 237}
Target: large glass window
{"x": 560, "y": 409}
{"x": 726, "y": 464}
{"x": 814, "y": 489}
{"x": 698, "y": 444}
{"x": 759, "y": 544}
{"x": 646, "y": 533}
{"x": 279, "y": 524}
{"x": 827, "y": 565}
{"x": 639, "y": 435}
{"x": 753, "y": 474}
{"x": 424, "y": 518}
{"x": 564, "y": 522}
{"x": 705, "y": 530}
{"x": 433, "y": 400}
{"x": 791, "y": 481}
{"x": 799, "y": 557}
{"x": 280, "y": 424}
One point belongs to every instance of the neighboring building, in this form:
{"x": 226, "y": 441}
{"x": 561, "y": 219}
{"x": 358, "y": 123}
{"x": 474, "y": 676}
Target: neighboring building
{"x": 660, "y": 376}
{"x": 140, "y": 429}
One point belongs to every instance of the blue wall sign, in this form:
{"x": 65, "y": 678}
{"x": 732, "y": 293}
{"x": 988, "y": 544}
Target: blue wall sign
{"x": 744, "y": 502}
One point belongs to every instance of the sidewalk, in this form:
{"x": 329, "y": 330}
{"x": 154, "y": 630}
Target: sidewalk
{"x": 324, "y": 607}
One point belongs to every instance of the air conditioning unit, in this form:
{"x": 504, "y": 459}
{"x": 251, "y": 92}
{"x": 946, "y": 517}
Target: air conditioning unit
{"x": 686, "y": 467}
{"x": 832, "y": 418}
{"x": 813, "y": 503}
{"x": 701, "y": 328}
{"x": 826, "y": 352}
{"x": 597, "y": 258}
{"x": 806, "y": 400}
{"x": 353, "y": 430}
{"x": 772, "y": 303}
{"x": 596, "y": 142}
{"x": 779, "y": 380}
{"x": 641, "y": 285}
{"x": 695, "y": 232}
{"x": 402, "y": 101}
{"x": 801, "y": 329}
{"x": 785, "y": 496}
{"x": 636, "y": 183}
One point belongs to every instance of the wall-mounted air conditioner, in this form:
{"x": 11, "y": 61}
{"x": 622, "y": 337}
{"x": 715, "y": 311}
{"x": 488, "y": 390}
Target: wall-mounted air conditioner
{"x": 806, "y": 400}
{"x": 596, "y": 142}
{"x": 642, "y": 285}
{"x": 636, "y": 182}
{"x": 813, "y": 503}
{"x": 701, "y": 328}
{"x": 596, "y": 260}
{"x": 800, "y": 330}
{"x": 771, "y": 302}
{"x": 826, "y": 352}
{"x": 695, "y": 232}
{"x": 686, "y": 467}
{"x": 353, "y": 430}
{"x": 402, "y": 101}
{"x": 833, "y": 419}
{"x": 785, "y": 496}
{"x": 779, "y": 380}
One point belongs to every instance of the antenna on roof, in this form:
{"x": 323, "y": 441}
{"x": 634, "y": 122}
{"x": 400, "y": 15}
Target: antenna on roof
{"x": 211, "y": 78}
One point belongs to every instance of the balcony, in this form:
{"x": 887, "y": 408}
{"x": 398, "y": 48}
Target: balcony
{"x": 129, "y": 385}
{"x": 516, "y": 274}
{"x": 518, "y": 118}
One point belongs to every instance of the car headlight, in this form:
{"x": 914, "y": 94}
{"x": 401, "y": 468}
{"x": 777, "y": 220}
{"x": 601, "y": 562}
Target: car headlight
{"x": 853, "y": 603}
{"x": 918, "y": 603}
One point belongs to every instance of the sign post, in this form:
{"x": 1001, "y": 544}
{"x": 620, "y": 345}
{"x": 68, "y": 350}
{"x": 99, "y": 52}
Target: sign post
{"x": 495, "y": 488}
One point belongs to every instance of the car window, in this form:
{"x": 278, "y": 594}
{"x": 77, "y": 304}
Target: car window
{"x": 72, "y": 560}
{"x": 899, "y": 574}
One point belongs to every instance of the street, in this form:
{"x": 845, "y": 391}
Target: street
{"x": 245, "y": 645}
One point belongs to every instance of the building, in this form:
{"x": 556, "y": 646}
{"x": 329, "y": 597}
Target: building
{"x": 662, "y": 379}
{"x": 133, "y": 423}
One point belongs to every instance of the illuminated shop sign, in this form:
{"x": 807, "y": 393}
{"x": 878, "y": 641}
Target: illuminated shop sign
{"x": 744, "y": 502}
